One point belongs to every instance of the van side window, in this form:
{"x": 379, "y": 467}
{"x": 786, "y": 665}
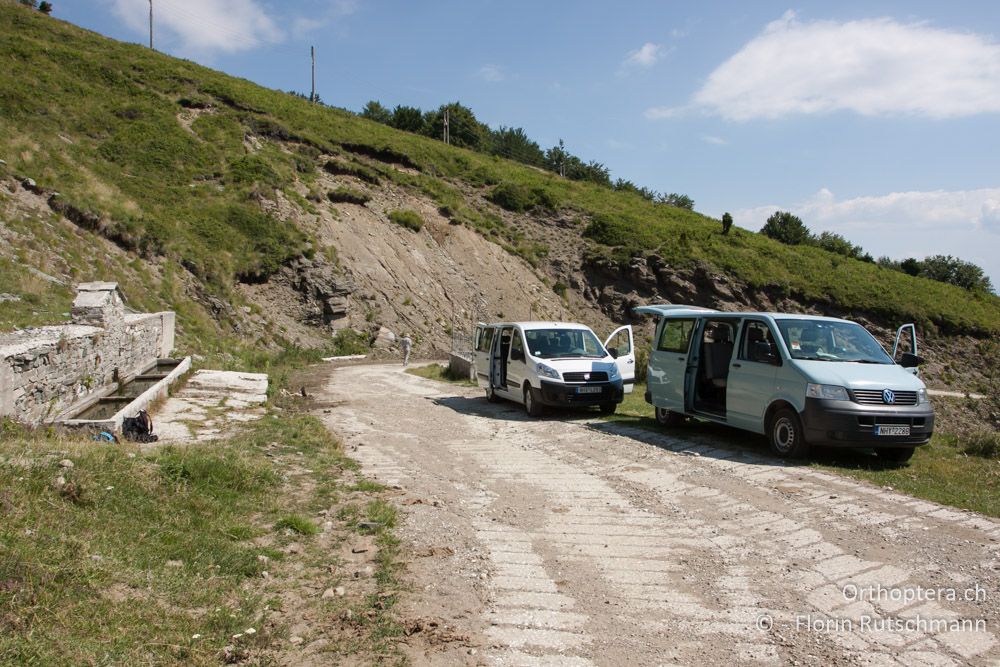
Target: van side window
{"x": 620, "y": 344}
{"x": 484, "y": 339}
{"x": 758, "y": 343}
{"x": 675, "y": 336}
{"x": 516, "y": 344}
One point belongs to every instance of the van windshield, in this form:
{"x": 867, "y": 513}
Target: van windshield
{"x": 563, "y": 343}
{"x": 820, "y": 340}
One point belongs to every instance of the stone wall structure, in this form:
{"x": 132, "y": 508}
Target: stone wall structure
{"x": 46, "y": 371}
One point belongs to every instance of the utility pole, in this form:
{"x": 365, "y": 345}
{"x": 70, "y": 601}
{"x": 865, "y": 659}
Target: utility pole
{"x": 312, "y": 54}
{"x": 447, "y": 128}
{"x": 150, "y": 24}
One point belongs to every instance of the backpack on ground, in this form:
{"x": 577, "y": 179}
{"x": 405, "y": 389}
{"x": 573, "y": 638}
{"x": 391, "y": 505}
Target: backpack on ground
{"x": 139, "y": 428}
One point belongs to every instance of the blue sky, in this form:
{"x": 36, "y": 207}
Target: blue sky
{"x": 878, "y": 120}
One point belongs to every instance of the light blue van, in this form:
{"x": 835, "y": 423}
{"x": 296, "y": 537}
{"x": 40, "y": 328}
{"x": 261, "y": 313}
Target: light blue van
{"x": 800, "y": 380}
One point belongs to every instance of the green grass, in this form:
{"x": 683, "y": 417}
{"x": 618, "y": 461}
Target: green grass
{"x": 346, "y": 195}
{"x": 958, "y": 471}
{"x": 136, "y": 554}
{"x": 349, "y": 341}
{"x": 141, "y": 543}
{"x": 409, "y": 219}
{"x": 191, "y": 196}
{"x": 297, "y": 524}
{"x": 940, "y": 471}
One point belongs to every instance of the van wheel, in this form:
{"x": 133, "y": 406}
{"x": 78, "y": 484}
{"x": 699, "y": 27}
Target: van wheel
{"x": 491, "y": 395}
{"x": 896, "y": 454}
{"x": 608, "y": 408}
{"x": 786, "y": 436}
{"x": 666, "y": 417}
{"x": 531, "y": 403}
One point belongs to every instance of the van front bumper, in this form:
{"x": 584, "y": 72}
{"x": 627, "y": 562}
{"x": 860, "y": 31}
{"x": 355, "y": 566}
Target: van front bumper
{"x": 559, "y": 394}
{"x": 849, "y": 424}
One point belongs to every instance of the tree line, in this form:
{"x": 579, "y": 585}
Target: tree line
{"x": 43, "y": 7}
{"x": 466, "y": 131}
{"x": 790, "y": 230}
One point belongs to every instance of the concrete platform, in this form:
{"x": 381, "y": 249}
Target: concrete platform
{"x": 210, "y": 404}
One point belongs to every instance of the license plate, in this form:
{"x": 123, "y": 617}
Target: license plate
{"x": 892, "y": 430}
{"x": 588, "y": 390}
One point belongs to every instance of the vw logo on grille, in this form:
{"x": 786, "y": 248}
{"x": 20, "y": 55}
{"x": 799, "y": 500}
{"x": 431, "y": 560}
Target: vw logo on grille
{"x": 586, "y": 376}
{"x": 888, "y": 396}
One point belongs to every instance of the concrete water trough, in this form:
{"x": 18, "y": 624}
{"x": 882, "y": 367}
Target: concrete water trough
{"x": 106, "y": 411}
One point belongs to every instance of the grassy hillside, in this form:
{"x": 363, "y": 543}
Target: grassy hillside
{"x": 162, "y": 151}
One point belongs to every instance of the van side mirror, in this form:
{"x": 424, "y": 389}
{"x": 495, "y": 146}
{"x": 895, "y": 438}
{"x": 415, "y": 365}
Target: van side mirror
{"x": 516, "y": 354}
{"x": 613, "y": 351}
{"x": 910, "y": 360}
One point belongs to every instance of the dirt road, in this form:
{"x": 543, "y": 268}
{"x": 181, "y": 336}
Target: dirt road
{"x": 570, "y": 541}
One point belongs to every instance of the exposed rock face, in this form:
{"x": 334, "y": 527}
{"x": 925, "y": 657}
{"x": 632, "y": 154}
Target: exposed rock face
{"x": 384, "y": 339}
{"x": 323, "y": 288}
{"x": 617, "y": 288}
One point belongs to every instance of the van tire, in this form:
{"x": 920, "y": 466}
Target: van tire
{"x": 895, "y": 454}
{"x": 491, "y": 395}
{"x": 666, "y": 417}
{"x": 786, "y": 435}
{"x": 532, "y": 405}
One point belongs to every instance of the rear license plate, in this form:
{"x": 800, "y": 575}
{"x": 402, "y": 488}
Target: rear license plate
{"x": 588, "y": 390}
{"x": 892, "y": 430}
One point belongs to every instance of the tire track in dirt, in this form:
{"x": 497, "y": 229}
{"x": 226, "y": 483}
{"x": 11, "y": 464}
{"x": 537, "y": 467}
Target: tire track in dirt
{"x": 578, "y": 542}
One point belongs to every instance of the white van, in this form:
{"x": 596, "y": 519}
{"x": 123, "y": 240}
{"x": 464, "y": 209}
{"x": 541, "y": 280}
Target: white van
{"x": 799, "y": 379}
{"x": 554, "y": 363}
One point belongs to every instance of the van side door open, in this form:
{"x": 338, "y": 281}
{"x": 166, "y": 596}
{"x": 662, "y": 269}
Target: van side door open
{"x": 621, "y": 345}
{"x": 517, "y": 364}
{"x": 498, "y": 359}
{"x": 481, "y": 346}
{"x": 715, "y": 348}
{"x": 905, "y": 352}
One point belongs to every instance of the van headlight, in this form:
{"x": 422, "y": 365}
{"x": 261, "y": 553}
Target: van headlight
{"x": 547, "y": 371}
{"x": 829, "y": 392}
{"x": 922, "y": 396}
{"x": 613, "y": 374}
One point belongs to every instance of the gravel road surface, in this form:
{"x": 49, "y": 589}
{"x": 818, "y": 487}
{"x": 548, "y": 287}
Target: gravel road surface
{"x": 571, "y": 541}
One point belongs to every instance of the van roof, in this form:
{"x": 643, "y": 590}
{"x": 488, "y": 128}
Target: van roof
{"x": 537, "y": 324}
{"x": 680, "y": 310}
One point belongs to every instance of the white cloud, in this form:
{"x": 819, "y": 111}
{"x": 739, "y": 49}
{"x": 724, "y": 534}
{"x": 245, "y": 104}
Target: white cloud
{"x": 963, "y": 223}
{"x": 715, "y": 141}
{"x": 873, "y": 67}
{"x": 204, "y": 25}
{"x": 645, "y": 56}
{"x": 989, "y": 216}
{"x": 492, "y": 73}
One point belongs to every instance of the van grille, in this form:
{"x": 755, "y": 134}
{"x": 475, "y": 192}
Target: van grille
{"x": 874, "y": 397}
{"x": 596, "y": 376}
